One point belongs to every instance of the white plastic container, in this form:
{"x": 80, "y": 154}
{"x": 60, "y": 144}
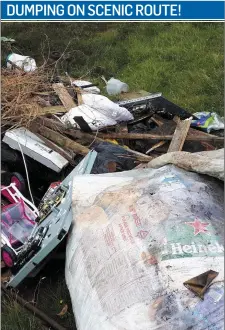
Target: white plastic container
{"x": 26, "y": 63}
{"x": 115, "y": 86}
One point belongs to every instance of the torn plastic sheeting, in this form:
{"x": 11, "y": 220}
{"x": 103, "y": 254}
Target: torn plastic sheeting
{"x": 204, "y": 162}
{"x": 137, "y": 237}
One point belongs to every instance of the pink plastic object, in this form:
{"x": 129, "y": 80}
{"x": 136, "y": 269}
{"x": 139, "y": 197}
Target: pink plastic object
{"x": 7, "y": 259}
{"x": 17, "y": 222}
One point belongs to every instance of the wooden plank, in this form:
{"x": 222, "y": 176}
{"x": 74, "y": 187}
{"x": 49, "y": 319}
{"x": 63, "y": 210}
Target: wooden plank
{"x": 140, "y": 136}
{"x": 54, "y": 147}
{"x": 77, "y": 134}
{"x": 122, "y": 128}
{"x": 180, "y": 135}
{"x": 42, "y": 93}
{"x": 195, "y": 132}
{"x": 139, "y": 156}
{"x": 53, "y": 109}
{"x": 61, "y": 140}
{"x": 79, "y": 95}
{"x": 157, "y": 145}
{"x": 157, "y": 120}
{"x": 64, "y": 96}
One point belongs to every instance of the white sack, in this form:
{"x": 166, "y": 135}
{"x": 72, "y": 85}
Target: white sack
{"x": 26, "y": 63}
{"x": 107, "y": 107}
{"x": 93, "y": 118}
{"x": 136, "y": 237}
{"x": 205, "y": 162}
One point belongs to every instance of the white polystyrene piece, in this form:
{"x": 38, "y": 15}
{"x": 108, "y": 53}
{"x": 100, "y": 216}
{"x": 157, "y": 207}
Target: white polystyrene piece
{"x": 35, "y": 148}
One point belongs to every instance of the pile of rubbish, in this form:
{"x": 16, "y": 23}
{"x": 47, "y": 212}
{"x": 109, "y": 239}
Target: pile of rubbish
{"x": 142, "y": 236}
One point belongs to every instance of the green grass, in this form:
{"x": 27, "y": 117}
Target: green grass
{"x": 50, "y": 294}
{"x": 182, "y": 60}
{"x": 11, "y": 317}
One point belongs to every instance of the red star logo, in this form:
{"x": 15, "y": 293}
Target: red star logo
{"x": 199, "y": 227}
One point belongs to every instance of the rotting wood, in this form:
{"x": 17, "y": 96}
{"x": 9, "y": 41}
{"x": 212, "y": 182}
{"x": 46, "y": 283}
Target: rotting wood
{"x": 64, "y": 96}
{"x": 180, "y": 135}
{"x": 140, "y": 136}
{"x": 61, "y": 140}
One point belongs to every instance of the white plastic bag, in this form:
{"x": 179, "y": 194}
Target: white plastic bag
{"x": 93, "y": 89}
{"x": 107, "y": 107}
{"x": 26, "y": 63}
{"x": 115, "y": 86}
{"x": 137, "y": 236}
{"x": 93, "y": 118}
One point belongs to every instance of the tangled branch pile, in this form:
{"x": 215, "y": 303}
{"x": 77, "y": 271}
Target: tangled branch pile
{"x": 19, "y": 96}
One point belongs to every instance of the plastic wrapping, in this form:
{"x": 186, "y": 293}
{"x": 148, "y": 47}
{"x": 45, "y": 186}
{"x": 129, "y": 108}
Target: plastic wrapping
{"x": 208, "y": 121}
{"x": 98, "y": 111}
{"x": 93, "y": 118}
{"x": 107, "y": 107}
{"x": 24, "y": 62}
{"x": 137, "y": 237}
